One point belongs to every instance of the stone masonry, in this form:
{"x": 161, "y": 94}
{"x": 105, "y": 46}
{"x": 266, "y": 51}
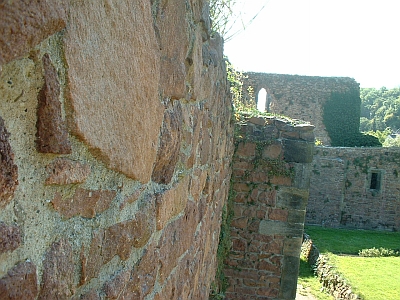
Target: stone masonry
{"x": 270, "y": 182}
{"x": 116, "y": 144}
{"x": 299, "y": 97}
{"x": 355, "y": 188}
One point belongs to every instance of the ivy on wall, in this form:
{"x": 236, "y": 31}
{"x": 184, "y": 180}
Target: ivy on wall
{"x": 342, "y": 121}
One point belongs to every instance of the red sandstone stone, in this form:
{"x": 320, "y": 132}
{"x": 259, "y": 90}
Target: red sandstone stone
{"x": 85, "y": 203}
{"x": 113, "y": 63}
{"x": 281, "y": 180}
{"x": 171, "y": 202}
{"x": 257, "y": 120}
{"x": 198, "y": 183}
{"x": 119, "y": 239}
{"x": 10, "y": 237}
{"x": 66, "y": 171}
{"x": 132, "y": 198}
{"x": 91, "y": 295}
{"x": 19, "y": 283}
{"x": 246, "y": 149}
{"x": 8, "y": 170}
{"x": 238, "y": 245}
{"x": 58, "y": 271}
{"x": 23, "y": 25}
{"x": 170, "y": 143}
{"x": 114, "y": 287}
{"x": 240, "y": 222}
{"x": 278, "y": 214}
{"x": 51, "y": 134}
{"x": 273, "y": 151}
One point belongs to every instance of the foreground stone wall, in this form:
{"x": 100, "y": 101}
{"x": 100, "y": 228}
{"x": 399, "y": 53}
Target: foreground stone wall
{"x": 270, "y": 181}
{"x": 115, "y": 144}
{"x": 300, "y": 97}
{"x": 344, "y": 191}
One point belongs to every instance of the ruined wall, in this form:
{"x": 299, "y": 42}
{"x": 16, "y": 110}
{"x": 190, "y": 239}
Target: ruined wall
{"x": 270, "y": 181}
{"x": 300, "y": 97}
{"x": 344, "y": 191}
{"x": 115, "y": 144}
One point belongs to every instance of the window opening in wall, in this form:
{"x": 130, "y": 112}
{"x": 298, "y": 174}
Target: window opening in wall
{"x": 261, "y": 100}
{"x": 375, "y": 183}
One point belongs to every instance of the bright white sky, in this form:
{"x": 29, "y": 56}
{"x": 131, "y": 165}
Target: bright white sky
{"x": 349, "y": 38}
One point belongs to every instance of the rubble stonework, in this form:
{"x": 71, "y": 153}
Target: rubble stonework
{"x": 341, "y": 194}
{"x": 270, "y": 181}
{"x": 300, "y": 97}
{"x": 119, "y": 191}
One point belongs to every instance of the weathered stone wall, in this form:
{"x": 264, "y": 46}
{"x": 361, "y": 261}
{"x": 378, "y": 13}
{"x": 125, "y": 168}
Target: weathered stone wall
{"x": 300, "y": 97}
{"x": 115, "y": 144}
{"x": 344, "y": 192}
{"x": 270, "y": 181}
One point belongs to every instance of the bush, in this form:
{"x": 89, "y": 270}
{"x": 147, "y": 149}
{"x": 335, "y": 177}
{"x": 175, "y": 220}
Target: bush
{"x": 381, "y": 252}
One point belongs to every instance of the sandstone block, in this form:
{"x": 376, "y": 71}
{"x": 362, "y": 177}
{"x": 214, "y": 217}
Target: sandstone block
{"x": 114, "y": 287}
{"x": 51, "y": 134}
{"x": 113, "y": 73}
{"x": 170, "y": 203}
{"x": 10, "y": 237}
{"x": 270, "y": 227}
{"x": 8, "y": 170}
{"x": 298, "y": 151}
{"x": 66, "y": 171}
{"x": 170, "y": 143}
{"x": 58, "y": 270}
{"x": 278, "y": 214}
{"x": 272, "y": 151}
{"x": 85, "y": 203}
{"x": 20, "y": 282}
{"x": 246, "y": 149}
{"x": 292, "y": 198}
{"x": 23, "y": 25}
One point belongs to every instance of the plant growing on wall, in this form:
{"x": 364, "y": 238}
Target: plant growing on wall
{"x": 341, "y": 117}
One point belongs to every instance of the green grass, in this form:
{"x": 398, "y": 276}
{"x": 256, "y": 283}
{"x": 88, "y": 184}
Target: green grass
{"x": 374, "y": 278}
{"x": 308, "y": 280}
{"x": 344, "y": 241}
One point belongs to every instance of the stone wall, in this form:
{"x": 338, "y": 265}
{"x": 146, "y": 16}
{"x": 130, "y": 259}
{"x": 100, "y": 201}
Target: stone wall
{"x": 270, "y": 181}
{"x": 355, "y": 188}
{"x": 300, "y": 97}
{"x": 115, "y": 143}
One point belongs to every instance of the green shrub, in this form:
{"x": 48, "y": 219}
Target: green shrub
{"x": 378, "y": 252}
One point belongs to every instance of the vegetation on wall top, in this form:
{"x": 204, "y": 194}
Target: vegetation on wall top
{"x": 341, "y": 117}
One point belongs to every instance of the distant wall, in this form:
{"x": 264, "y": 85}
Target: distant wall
{"x": 300, "y": 97}
{"x": 116, "y": 145}
{"x": 355, "y": 188}
{"x": 270, "y": 181}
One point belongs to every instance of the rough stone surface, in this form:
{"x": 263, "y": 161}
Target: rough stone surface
{"x": 340, "y": 188}
{"x": 51, "y": 135}
{"x": 85, "y": 203}
{"x": 125, "y": 101}
{"x": 58, "y": 271}
{"x": 23, "y": 25}
{"x": 118, "y": 240}
{"x": 10, "y": 237}
{"x": 114, "y": 287}
{"x": 268, "y": 212}
{"x": 19, "y": 283}
{"x": 171, "y": 202}
{"x": 300, "y": 97}
{"x": 66, "y": 171}
{"x": 170, "y": 143}
{"x": 8, "y": 169}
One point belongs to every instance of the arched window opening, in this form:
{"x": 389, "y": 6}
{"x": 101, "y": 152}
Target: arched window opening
{"x": 261, "y": 100}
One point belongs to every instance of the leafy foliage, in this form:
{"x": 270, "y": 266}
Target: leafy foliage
{"x": 342, "y": 121}
{"x": 378, "y": 252}
{"x": 380, "y": 109}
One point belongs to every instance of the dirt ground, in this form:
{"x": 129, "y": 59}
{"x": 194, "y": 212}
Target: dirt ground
{"x": 304, "y": 294}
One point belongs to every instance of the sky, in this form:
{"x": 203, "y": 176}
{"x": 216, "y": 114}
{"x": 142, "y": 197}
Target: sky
{"x": 342, "y": 38}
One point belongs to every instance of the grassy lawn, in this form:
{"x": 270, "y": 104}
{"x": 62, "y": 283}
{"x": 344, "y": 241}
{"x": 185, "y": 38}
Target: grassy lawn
{"x": 372, "y": 278}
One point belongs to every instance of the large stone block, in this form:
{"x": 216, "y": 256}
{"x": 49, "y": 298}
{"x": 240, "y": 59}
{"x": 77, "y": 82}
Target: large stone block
{"x": 292, "y": 198}
{"x": 8, "y": 170}
{"x": 113, "y": 73}
{"x": 24, "y": 24}
{"x": 269, "y": 227}
{"x": 58, "y": 271}
{"x": 51, "y": 134}
{"x": 298, "y": 151}
{"x": 19, "y": 283}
